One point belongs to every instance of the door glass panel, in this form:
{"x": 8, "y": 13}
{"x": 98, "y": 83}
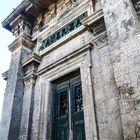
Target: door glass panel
{"x": 63, "y": 103}
{"x": 69, "y": 121}
{"x": 78, "y": 98}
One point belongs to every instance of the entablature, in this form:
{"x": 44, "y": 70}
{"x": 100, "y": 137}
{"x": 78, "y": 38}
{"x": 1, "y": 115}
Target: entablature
{"x": 74, "y": 24}
{"x": 28, "y": 10}
{"x": 95, "y": 23}
{"x": 26, "y": 16}
{"x": 22, "y": 41}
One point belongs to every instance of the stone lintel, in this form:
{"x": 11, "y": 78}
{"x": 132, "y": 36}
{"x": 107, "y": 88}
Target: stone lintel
{"x": 5, "y": 75}
{"x": 22, "y": 41}
{"x": 64, "y": 59}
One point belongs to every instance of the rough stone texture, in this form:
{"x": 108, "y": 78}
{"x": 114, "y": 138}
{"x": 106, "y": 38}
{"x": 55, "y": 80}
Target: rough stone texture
{"x": 123, "y": 30}
{"x": 106, "y": 93}
{"x": 26, "y": 120}
{"x": 11, "y": 115}
{"x": 109, "y": 65}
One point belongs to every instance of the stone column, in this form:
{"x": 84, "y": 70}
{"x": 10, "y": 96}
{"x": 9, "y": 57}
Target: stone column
{"x": 29, "y": 65}
{"x": 11, "y": 114}
{"x": 106, "y": 92}
{"x": 123, "y": 31}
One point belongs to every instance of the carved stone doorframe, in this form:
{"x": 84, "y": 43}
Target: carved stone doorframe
{"x": 81, "y": 59}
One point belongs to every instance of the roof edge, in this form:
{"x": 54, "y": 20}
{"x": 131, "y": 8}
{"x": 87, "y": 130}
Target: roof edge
{"x": 21, "y": 9}
{"x": 14, "y": 14}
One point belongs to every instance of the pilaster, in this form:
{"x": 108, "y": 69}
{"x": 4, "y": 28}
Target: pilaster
{"x": 123, "y": 29}
{"x": 30, "y": 65}
{"x": 11, "y": 114}
{"x": 96, "y": 25}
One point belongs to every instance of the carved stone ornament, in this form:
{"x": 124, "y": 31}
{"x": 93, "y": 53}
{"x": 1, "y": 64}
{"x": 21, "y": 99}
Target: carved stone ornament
{"x": 30, "y": 66}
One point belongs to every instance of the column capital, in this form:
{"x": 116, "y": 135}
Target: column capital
{"x": 30, "y": 65}
{"x": 23, "y": 41}
{"x": 95, "y": 23}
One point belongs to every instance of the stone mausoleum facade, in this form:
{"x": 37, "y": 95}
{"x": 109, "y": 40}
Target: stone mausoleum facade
{"x": 74, "y": 72}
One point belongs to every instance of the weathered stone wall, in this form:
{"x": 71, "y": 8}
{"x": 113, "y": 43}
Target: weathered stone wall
{"x": 12, "y": 107}
{"x": 109, "y": 64}
{"x": 123, "y": 30}
{"x": 105, "y": 92}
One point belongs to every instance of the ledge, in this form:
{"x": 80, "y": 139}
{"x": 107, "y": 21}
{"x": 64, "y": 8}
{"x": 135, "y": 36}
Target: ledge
{"x": 31, "y": 58}
{"x": 22, "y": 40}
{"x": 5, "y": 75}
{"x": 92, "y": 18}
{"x": 64, "y": 59}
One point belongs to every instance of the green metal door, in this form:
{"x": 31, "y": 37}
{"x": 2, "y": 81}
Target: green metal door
{"x": 68, "y": 113}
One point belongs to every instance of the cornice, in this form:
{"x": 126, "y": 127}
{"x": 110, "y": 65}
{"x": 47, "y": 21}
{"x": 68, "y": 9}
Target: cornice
{"x": 32, "y": 58}
{"x": 14, "y": 14}
{"x": 22, "y": 41}
{"x": 90, "y": 20}
{"x": 30, "y": 65}
{"x": 28, "y": 8}
{"x": 64, "y": 59}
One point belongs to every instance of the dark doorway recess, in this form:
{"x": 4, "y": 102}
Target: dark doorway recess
{"x": 68, "y": 109}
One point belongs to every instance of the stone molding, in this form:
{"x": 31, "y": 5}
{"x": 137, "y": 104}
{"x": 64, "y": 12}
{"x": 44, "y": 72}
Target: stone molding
{"x": 72, "y": 55}
{"x": 100, "y": 40}
{"x": 22, "y": 41}
{"x": 92, "y": 18}
{"x": 22, "y": 24}
{"x": 31, "y": 58}
{"x": 5, "y": 75}
{"x": 27, "y": 6}
{"x": 80, "y": 59}
{"x": 30, "y": 65}
{"x": 63, "y": 40}
{"x": 14, "y": 14}
{"x": 95, "y": 23}
{"x": 51, "y": 28}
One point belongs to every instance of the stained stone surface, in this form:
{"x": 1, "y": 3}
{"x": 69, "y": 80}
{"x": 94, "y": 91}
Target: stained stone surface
{"x": 123, "y": 30}
{"x": 12, "y": 106}
{"x": 106, "y": 51}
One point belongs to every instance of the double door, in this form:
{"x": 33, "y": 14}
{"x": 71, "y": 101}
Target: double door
{"x": 68, "y": 113}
